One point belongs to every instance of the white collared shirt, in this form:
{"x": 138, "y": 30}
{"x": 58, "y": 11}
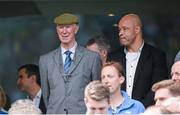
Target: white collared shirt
{"x": 63, "y": 50}
{"x": 36, "y": 100}
{"x": 132, "y": 59}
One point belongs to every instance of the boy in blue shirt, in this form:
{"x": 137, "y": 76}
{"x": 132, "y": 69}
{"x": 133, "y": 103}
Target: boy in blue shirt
{"x": 112, "y": 75}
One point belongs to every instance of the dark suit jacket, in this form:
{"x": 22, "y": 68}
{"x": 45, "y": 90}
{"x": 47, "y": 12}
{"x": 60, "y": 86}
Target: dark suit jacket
{"x": 42, "y": 105}
{"x": 151, "y": 68}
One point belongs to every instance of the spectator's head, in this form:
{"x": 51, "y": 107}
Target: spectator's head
{"x": 67, "y": 28}
{"x": 175, "y": 71}
{"x": 2, "y": 97}
{"x": 28, "y": 75}
{"x": 130, "y": 30}
{"x": 112, "y": 75}
{"x": 100, "y": 45}
{"x": 25, "y": 106}
{"x": 96, "y": 98}
{"x": 165, "y": 89}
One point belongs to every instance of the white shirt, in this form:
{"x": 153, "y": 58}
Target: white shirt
{"x": 37, "y": 98}
{"x": 63, "y": 50}
{"x": 132, "y": 59}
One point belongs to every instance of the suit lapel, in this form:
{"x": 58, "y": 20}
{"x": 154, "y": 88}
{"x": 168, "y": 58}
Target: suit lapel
{"x": 77, "y": 57}
{"x": 123, "y": 62}
{"x": 58, "y": 60}
{"x": 142, "y": 59}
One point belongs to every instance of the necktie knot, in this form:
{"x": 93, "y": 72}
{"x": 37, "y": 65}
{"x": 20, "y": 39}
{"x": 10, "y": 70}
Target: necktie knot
{"x": 68, "y": 53}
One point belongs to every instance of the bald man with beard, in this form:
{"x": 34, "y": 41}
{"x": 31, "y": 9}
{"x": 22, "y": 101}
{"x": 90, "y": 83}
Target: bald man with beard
{"x": 144, "y": 64}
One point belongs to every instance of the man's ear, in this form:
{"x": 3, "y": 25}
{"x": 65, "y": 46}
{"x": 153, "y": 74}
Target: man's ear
{"x": 137, "y": 29}
{"x": 77, "y": 28}
{"x": 121, "y": 79}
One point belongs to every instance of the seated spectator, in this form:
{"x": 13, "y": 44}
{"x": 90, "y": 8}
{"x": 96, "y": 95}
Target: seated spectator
{"x": 24, "y": 106}
{"x": 164, "y": 90}
{"x": 112, "y": 75}
{"x": 2, "y": 101}
{"x": 96, "y": 98}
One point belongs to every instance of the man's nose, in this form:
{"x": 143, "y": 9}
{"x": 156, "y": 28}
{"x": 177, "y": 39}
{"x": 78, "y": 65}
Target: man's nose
{"x": 120, "y": 33}
{"x": 64, "y": 30}
{"x": 105, "y": 81}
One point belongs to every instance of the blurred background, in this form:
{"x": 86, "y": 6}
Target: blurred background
{"x": 27, "y": 29}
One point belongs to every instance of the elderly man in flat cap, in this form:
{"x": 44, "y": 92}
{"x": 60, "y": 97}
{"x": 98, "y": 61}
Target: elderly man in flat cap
{"x": 67, "y": 70}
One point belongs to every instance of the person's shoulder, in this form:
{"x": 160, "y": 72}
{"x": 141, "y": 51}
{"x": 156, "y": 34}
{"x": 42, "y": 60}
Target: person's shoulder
{"x": 132, "y": 103}
{"x": 114, "y": 55}
{"x": 118, "y": 50}
{"x": 138, "y": 106}
{"x": 86, "y": 51}
{"x": 3, "y": 112}
{"x": 50, "y": 54}
{"x": 137, "y": 103}
{"x": 153, "y": 49}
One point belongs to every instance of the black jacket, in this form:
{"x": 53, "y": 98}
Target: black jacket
{"x": 151, "y": 68}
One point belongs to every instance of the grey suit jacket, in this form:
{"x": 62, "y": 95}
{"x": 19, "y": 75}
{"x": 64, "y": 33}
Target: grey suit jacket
{"x": 64, "y": 93}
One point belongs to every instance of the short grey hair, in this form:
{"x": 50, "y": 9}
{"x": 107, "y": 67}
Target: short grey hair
{"x": 101, "y": 41}
{"x": 24, "y": 106}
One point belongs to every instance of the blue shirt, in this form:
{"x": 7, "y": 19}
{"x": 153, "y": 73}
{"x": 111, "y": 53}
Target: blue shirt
{"x": 129, "y": 106}
{"x": 3, "y": 112}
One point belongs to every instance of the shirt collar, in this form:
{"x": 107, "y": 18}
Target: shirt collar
{"x": 127, "y": 103}
{"x": 38, "y": 95}
{"x": 139, "y": 50}
{"x": 63, "y": 50}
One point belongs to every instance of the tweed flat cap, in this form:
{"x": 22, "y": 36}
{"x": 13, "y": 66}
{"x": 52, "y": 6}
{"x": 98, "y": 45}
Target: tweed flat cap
{"x": 66, "y": 19}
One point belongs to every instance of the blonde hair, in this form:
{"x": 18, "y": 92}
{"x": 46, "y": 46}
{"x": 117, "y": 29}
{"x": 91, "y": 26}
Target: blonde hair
{"x": 97, "y": 91}
{"x": 3, "y": 97}
{"x": 24, "y": 106}
{"x": 172, "y": 85}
